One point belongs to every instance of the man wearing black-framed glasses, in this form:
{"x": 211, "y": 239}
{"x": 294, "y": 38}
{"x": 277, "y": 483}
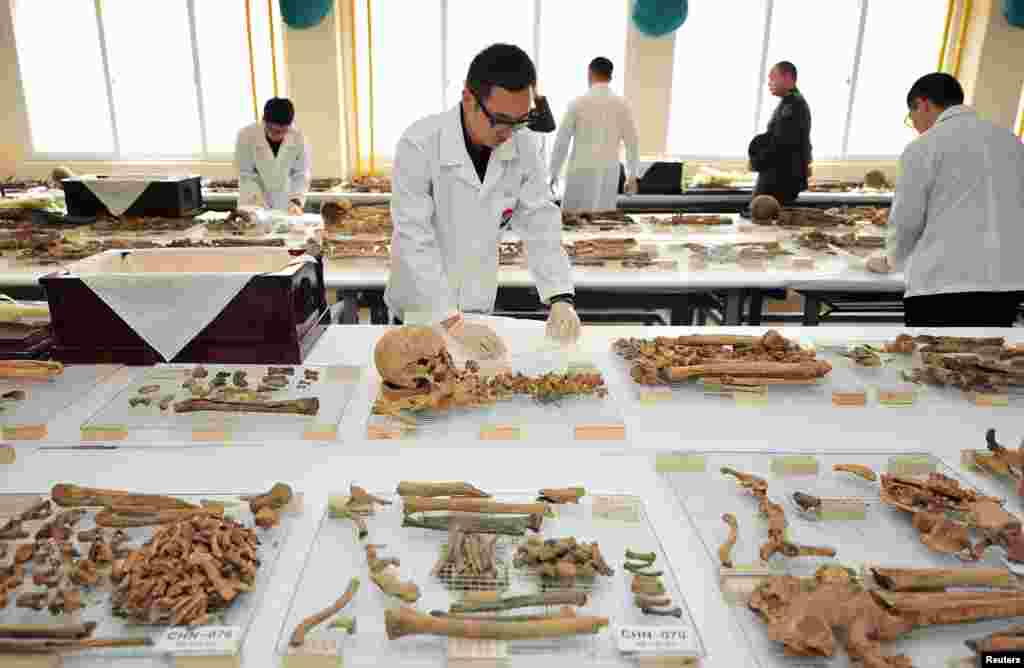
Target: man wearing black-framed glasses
{"x": 957, "y": 221}
{"x": 458, "y": 178}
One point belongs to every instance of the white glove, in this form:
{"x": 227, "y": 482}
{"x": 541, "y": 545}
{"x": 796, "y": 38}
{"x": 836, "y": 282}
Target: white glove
{"x": 879, "y": 264}
{"x": 632, "y": 186}
{"x": 553, "y": 184}
{"x": 478, "y": 340}
{"x": 563, "y": 323}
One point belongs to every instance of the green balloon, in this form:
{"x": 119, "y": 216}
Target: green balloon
{"x": 304, "y": 13}
{"x": 657, "y": 18}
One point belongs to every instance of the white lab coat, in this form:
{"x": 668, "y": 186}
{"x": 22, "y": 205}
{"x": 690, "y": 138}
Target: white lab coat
{"x": 267, "y": 181}
{"x": 597, "y": 123}
{"x": 444, "y": 248}
{"x": 957, "y": 218}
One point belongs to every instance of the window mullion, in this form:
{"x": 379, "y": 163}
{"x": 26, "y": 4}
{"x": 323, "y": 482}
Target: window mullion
{"x": 199, "y": 81}
{"x": 106, "y": 75}
{"x": 763, "y": 71}
{"x": 444, "y": 54}
{"x": 857, "y": 53}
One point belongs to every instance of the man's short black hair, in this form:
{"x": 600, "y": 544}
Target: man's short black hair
{"x": 786, "y": 67}
{"x": 279, "y": 110}
{"x": 939, "y": 88}
{"x": 602, "y": 67}
{"x": 504, "y": 65}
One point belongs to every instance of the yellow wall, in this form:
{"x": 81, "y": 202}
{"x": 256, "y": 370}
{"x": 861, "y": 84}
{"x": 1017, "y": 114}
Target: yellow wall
{"x": 318, "y": 58}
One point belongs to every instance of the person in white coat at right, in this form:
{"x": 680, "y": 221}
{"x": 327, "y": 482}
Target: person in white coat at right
{"x": 596, "y": 123}
{"x": 957, "y": 221}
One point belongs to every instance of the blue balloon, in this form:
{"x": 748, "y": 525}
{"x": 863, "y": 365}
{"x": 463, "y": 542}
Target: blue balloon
{"x": 1013, "y": 10}
{"x": 304, "y": 13}
{"x": 657, "y": 18}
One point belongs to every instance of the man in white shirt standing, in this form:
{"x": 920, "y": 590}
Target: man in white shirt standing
{"x": 957, "y": 222}
{"x": 597, "y": 123}
{"x": 273, "y": 160}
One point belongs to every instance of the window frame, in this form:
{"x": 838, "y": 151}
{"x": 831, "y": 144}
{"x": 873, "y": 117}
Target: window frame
{"x": 118, "y": 154}
{"x": 844, "y": 155}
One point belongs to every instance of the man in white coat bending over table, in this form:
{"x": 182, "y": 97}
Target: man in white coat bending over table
{"x": 597, "y": 123}
{"x": 273, "y": 160}
{"x": 957, "y": 222}
{"x": 458, "y": 178}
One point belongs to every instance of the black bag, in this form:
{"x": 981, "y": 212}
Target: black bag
{"x": 662, "y": 178}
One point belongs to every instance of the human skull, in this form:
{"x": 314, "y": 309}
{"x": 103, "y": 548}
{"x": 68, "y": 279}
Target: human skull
{"x": 764, "y": 207}
{"x": 412, "y": 358}
{"x": 333, "y": 212}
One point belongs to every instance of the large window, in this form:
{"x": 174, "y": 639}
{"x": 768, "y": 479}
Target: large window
{"x": 421, "y": 53}
{"x": 855, "y": 59}
{"x": 565, "y": 51}
{"x": 125, "y": 90}
{"x": 715, "y": 78}
{"x": 901, "y": 43}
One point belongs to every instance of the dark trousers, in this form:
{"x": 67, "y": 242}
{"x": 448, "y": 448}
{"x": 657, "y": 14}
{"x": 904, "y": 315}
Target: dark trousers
{"x": 962, "y": 309}
{"x": 785, "y": 190}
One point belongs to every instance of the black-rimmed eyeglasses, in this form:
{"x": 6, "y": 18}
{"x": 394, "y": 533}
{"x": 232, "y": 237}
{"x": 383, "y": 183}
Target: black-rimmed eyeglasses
{"x": 496, "y": 121}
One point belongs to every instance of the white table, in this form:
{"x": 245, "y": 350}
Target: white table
{"x": 623, "y": 467}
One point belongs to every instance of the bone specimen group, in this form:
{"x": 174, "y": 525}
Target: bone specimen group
{"x": 805, "y": 217}
{"x": 649, "y": 593}
{"x": 803, "y": 615}
{"x": 983, "y": 365}
{"x": 470, "y": 561}
{"x": 607, "y": 220}
{"x": 239, "y": 221}
{"x": 777, "y": 542}
{"x": 194, "y": 563}
{"x": 419, "y": 374}
{"x": 693, "y": 219}
{"x": 1001, "y": 462}
{"x": 232, "y": 392}
{"x": 562, "y": 559}
{"x": 731, "y": 360}
{"x": 348, "y": 249}
{"x": 341, "y": 217}
{"x": 825, "y": 241}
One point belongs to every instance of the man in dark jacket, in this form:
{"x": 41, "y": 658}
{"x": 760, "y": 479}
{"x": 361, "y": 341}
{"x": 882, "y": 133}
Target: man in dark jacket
{"x": 782, "y": 155}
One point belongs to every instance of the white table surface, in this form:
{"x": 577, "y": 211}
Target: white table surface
{"x": 623, "y": 467}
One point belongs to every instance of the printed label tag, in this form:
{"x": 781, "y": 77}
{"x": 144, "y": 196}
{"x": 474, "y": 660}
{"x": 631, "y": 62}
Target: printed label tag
{"x": 896, "y": 397}
{"x": 205, "y": 640}
{"x": 616, "y": 507}
{"x": 599, "y": 432}
{"x": 990, "y": 400}
{"x": 784, "y": 465}
{"x": 842, "y": 509}
{"x": 654, "y": 395}
{"x": 24, "y": 432}
{"x": 849, "y": 398}
{"x": 472, "y": 649}
{"x": 680, "y": 462}
{"x": 657, "y": 640}
{"x": 501, "y": 432}
{"x": 7, "y": 455}
{"x": 105, "y": 432}
{"x": 911, "y": 465}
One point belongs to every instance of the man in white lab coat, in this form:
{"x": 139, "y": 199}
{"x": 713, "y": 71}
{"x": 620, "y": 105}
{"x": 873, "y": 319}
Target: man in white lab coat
{"x": 957, "y": 222}
{"x": 273, "y": 160}
{"x": 458, "y": 178}
{"x": 597, "y": 123}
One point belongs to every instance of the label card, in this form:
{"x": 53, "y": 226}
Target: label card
{"x": 680, "y": 462}
{"x": 24, "y": 432}
{"x": 989, "y": 400}
{"x": 501, "y": 432}
{"x": 599, "y": 432}
{"x": 895, "y": 397}
{"x": 7, "y": 455}
{"x": 787, "y": 465}
{"x": 849, "y": 398}
{"x": 616, "y": 508}
{"x": 314, "y": 653}
{"x": 911, "y": 465}
{"x": 842, "y": 509}
{"x": 204, "y": 640}
{"x": 680, "y": 640}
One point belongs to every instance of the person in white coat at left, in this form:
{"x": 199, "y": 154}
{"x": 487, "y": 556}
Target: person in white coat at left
{"x": 458, "y": 178}
{"x": 273, "y": 160}
{"x": 597, "y": 124}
